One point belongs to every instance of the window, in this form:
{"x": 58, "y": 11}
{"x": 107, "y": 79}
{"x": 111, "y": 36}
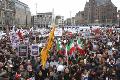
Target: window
{"x": 40, "y": 15}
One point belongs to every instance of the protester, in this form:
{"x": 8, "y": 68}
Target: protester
{"x": 91, "y": 56}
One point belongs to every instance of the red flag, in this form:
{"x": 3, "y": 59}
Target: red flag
{"x": 20, "y": 35}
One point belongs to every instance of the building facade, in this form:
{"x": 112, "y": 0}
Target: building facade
{"x": 106, "y": 14}
{"x": 14, "y": 12}
{"x": 7, "y": 13}
{"x": 42, "y": 20}
{"x": 67, "y": 22}
{"x": 59, "y": 21}
{"x": 118, "y": 18}
{"x": 79, "y": 19}
{"x": 99, "y": 12}
{"x": 22, "y": 14}
{"x": 70, "y": 22}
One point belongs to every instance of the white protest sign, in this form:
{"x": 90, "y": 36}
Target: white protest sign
{"x": 58, "y": 32}
{"x": 109, "y": 43}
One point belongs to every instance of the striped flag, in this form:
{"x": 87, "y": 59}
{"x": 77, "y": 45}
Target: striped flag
{"x": 70, "y": 47}
{"x": 80, "y": 46}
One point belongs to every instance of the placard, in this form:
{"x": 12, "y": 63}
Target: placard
{"x": 34, "y": 50}
{"x": 109, "y": 52}
{"x": 58, "y": 32}
{"x": 109, "y": 43}
{"x": 23, "y": 50}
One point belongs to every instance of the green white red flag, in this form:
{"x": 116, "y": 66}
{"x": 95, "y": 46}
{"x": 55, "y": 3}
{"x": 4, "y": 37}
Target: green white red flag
{"x": 80, "y": 46}
{"x": 70, "y": 47}
{"x": 59, "y": 47}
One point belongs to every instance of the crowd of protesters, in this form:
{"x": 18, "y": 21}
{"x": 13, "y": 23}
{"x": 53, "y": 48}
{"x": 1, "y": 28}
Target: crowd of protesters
{"x": 101, "y": 60}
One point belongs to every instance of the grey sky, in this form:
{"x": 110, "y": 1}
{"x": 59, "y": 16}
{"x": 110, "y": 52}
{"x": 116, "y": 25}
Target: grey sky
{"x": 61, "y": 7}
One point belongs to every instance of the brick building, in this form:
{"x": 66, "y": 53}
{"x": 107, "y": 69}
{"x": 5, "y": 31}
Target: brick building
{"x": 99, "y": 12}
{"x": 79, "y": 19}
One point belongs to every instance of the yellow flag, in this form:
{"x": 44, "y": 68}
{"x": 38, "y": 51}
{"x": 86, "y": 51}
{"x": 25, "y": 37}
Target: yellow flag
{"x": 50, "y": 39}
{"x": 44, "y": 52}
{"x": 44, "y": 55}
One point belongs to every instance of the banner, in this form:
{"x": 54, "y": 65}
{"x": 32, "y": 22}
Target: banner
{"x": 58, "y": 32}
{"x": 34, "y": 50}
{"x": 23, "y": 50}
{"x": 14, "y": 40}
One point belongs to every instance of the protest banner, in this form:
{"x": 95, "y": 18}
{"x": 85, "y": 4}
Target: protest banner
{"x": 58, "y": 32}
{"x": 23, "y": 50}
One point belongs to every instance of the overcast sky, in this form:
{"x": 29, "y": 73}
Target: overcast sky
{"x": 61, "y": 7}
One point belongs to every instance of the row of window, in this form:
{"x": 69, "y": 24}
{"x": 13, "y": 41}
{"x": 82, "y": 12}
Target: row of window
{"x": 43, "y": 16}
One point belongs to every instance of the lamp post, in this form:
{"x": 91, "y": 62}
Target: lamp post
{"x": 118, "y": 19}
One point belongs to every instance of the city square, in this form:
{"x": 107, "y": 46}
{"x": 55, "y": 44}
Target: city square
{"x": 38, "y": 45}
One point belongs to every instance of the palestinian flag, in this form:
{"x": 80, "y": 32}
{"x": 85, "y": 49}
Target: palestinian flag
{"x": 80, "y": 47}
{"x": 70, "y": 47}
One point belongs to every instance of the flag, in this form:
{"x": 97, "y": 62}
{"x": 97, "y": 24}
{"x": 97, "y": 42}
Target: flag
{"x": 51, "y": 38}
{"x": 44, "y": 55}
{"x": 44, "y": 52}
{"x": 58, "y": 45}
{"x": 80, "y": 47}
{"x": 20, "y": 35}
{"x": 70, "y": 47}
